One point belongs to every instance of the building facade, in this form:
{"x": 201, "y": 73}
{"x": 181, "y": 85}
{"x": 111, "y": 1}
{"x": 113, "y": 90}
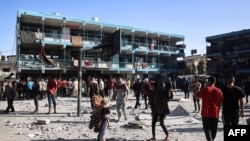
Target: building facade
{"x": 51, "y": 44}
{"x": 229, "y": 53}
{"x": 7, "y": 67}
{"x": 197, "y": 63}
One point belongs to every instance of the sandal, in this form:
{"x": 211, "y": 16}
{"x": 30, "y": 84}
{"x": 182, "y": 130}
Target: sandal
{"x": 151, "y": 139}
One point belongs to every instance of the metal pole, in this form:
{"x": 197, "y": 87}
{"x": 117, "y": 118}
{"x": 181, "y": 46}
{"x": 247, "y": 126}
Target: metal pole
{"x": 79, "y": 83}
{"x": 192, "y": 64}
{"x": 80, "y": 78}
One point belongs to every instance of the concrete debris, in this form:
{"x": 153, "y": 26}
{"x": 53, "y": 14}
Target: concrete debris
{"x": 145, "y": 117}
{"x": 65, "y": 125}
{"x": 179, "y": 111}
{"x": 136, "y": 124}
{"x": 33, "y": 135}
{"x": 43, "y": 121}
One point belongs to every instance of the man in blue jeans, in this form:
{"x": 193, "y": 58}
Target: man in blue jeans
{"x": 186, "y": 85}
{"x": 121, "y": 96}
{"x": 105, "y": 113}
{"x": 51, "y": 90}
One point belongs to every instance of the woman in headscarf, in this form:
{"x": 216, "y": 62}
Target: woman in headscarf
{"x": 159, "y": 94}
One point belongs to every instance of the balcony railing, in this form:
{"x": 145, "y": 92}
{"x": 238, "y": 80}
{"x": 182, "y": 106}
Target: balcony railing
{"x": 228, "y": 49}
{"x": 122, "y": 66}
{"x": 59, "y": 64}
{"x": 7, "y": 63}
{"x": 147, "y": 47}
{"x": 92, "y": 41}
{"x": 37, "y": 63}
{"x": 30, "y": 37}
{"x": 215, "y": 49}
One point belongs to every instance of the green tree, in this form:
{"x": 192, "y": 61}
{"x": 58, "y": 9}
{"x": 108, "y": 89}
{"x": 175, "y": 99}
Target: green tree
{"x": 200, "y": 67}
{"x": 188, "y": 70}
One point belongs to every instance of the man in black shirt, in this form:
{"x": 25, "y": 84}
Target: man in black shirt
{"x": 233, "y": 104}
{"x": 247, "y": 88}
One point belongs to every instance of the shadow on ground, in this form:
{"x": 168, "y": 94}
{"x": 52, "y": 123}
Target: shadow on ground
{"x": 188, "y": 130}
{"x": 120, "y": 139}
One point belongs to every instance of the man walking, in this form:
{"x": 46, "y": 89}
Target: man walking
{"x": 51, "y": 90}
{"x": 121, "y": 96}
{"x": 186, "y": 85}
{"x": 212, "y": 99}
{"x": 247, "y": 88}
{"x": 233, "y": 104}
{"x": 195, "y": 86}
{"x": 10, "y": 95}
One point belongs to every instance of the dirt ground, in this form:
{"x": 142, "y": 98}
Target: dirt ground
{"x": 182, "y": 123}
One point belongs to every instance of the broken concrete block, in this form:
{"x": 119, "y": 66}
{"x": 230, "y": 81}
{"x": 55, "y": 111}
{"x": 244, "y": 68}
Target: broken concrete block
{"x": 43, "y": 121}
{"x": 136, "y": 124}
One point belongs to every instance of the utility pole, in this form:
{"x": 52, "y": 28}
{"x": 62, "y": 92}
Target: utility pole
{"x": 82, "y": 50}
{"x": 193, "y": 51}
{"x": 79, "y": 82}
{"x": 79, "y": 98}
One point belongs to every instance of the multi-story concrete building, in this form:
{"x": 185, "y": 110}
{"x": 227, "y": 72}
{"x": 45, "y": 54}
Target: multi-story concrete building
{"x": 7, "y": 66}
{"x": 52, "y": 44}
{"x": 229, "y": 53}
{"x": 197, "y": 63}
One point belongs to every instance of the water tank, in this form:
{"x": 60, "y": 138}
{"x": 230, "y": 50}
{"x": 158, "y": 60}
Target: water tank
{"x": 3, "y": 58}
{"x": 95, "y": 19}
{"x": 57, "y": 14}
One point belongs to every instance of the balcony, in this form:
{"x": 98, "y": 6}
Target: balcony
{"x": 52, "y": 38}
{"x": 38, "y": 64}
{"x": 121, "y": 66}
{"x": 89, "y": 64}
{"x": 213, "y": 49}
{"x": 144, "y": 48}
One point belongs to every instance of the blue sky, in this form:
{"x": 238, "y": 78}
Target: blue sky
{"x": 194, "y": 19}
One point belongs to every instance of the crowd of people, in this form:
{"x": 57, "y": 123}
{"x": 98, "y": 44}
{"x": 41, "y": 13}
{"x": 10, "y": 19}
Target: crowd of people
{"x": 155, "y": 91}
{"x": 216, "y": 95}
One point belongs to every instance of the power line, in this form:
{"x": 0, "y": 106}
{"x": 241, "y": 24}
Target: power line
{"x": 6, "y": 51}
{"x": 14, "y": 43}
{"x": 203, "y": 48}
